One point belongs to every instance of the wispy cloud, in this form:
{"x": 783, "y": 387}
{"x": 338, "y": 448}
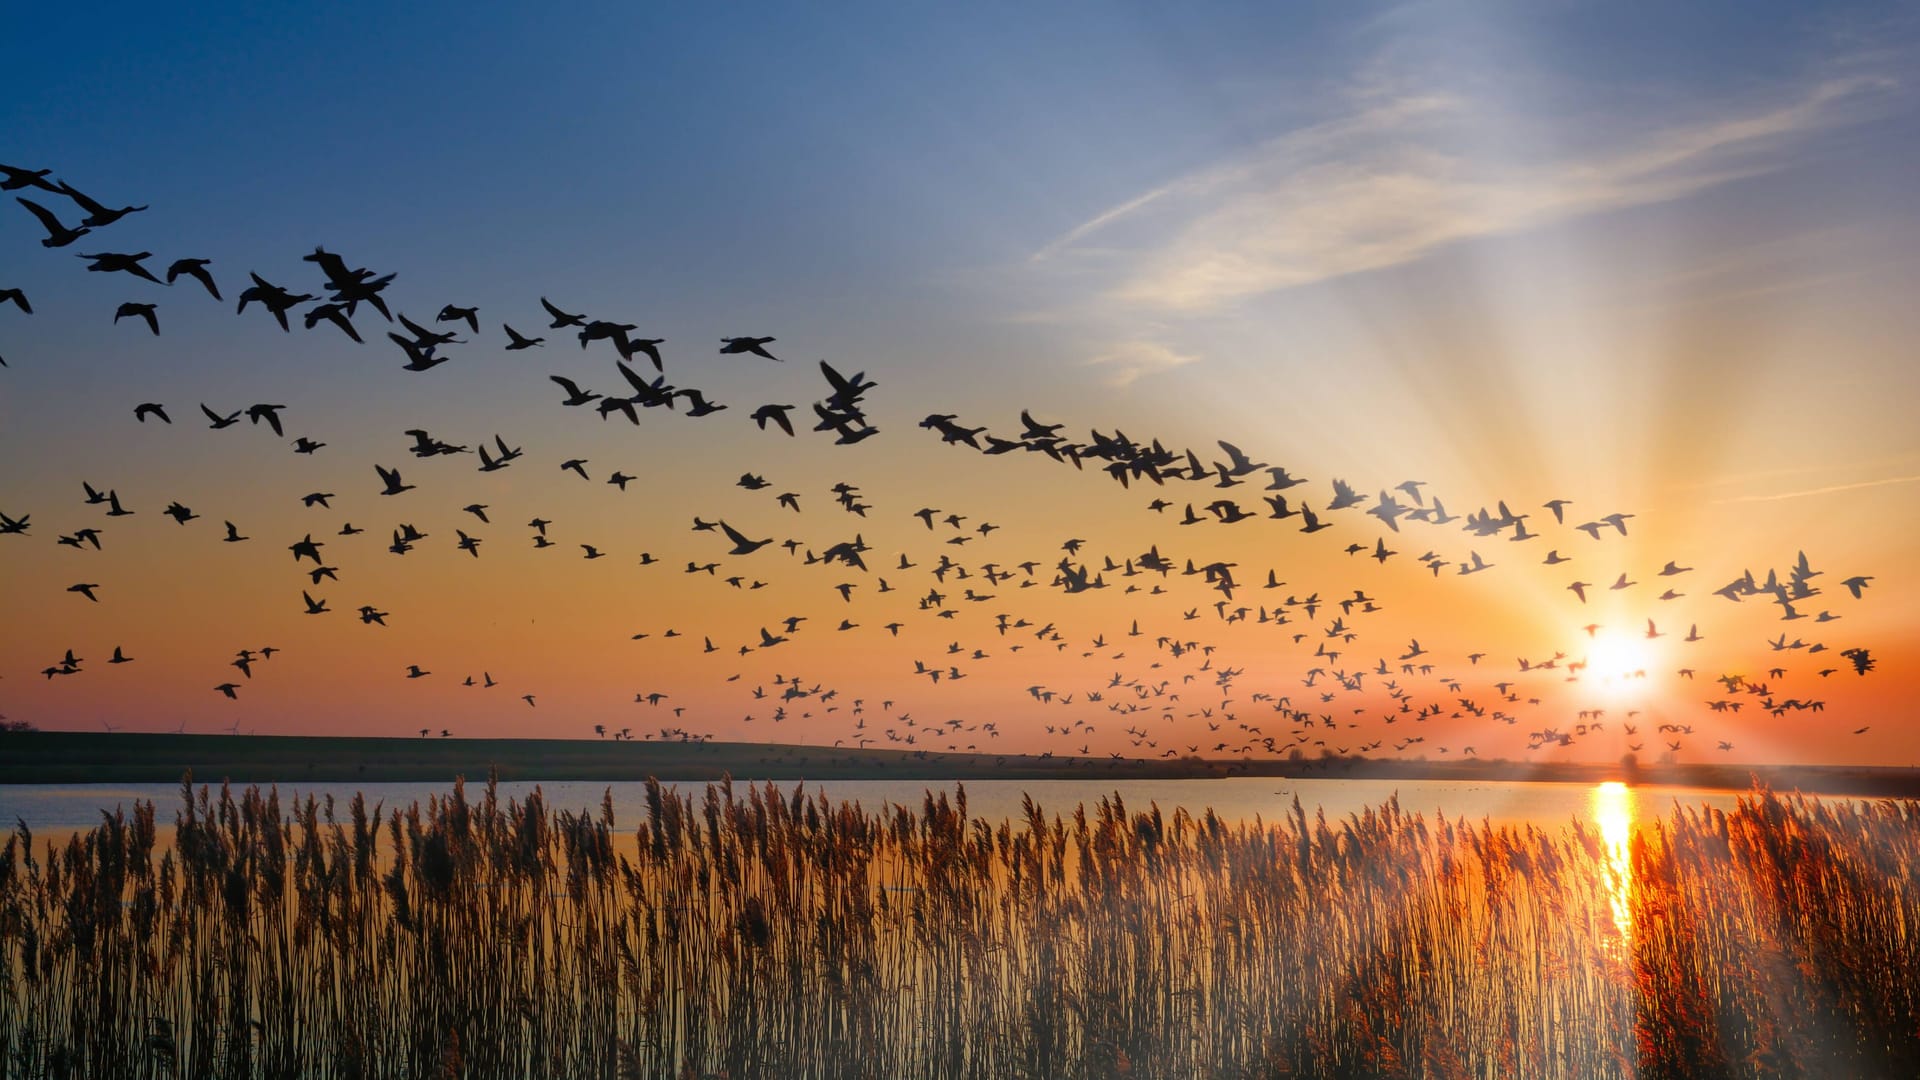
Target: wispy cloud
{"x": 1390, "y": 182}
{"x": 1828, "y": 490}
{"x": 1125, "y": 362}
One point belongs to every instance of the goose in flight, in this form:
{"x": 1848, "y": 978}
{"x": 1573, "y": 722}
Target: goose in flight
{"x": 391, "y": 477}
{"x": 314, "y": 607}
{"x": 650, "y": 346}
{"x": 268, "y": 413}
{"x": 1344, "y": 496}
{"x": 58, "y": 235}
{"x": 86, "y": 590}
{"x": 335, "y": 314}
{"x": 701, "y": 406}
{"x": 469, "y": 315}
{"x": 418, "y": 358}
{"x": 507, "y": 454}
{"x": 775, "y": 413}
{"x": 575, "y": 395}
{"x": 107, "y": 262}
{"x": 13, "y": 179}
{"x": 742, "y": 545}
{"x": 98, "y": 216}
{"x": 1238, "y": 464}
{"x": 561, "y": 318}
{"x": 739, "y": 345}
{"x": 518, "y": 341}
{"x": 151, "y": 408}
{"x": 17, "y": 298}
{"x": 197, "y": 270}
{"x": 275, "y": 299}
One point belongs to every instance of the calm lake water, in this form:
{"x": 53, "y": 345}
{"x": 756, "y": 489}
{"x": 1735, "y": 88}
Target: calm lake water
{"x": 58, "y": 808}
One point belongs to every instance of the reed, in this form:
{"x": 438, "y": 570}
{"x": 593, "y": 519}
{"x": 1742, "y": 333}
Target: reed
{"x": 751, "y": 931}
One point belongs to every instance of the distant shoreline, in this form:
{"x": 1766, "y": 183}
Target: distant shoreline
{"x": 144, "y": 758}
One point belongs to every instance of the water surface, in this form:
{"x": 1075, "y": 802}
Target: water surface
{"x": 49, "y": 807}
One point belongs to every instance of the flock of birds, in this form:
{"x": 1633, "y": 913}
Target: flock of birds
{"x": 1307, "y": 675}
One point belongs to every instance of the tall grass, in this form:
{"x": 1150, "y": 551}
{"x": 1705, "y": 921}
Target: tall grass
{"x": 762, "y": 933}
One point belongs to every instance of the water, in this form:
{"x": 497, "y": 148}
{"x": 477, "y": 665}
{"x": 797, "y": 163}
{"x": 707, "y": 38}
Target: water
{"x": 51, "y": 808}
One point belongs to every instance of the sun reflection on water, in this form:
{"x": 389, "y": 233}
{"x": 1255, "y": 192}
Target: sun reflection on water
{"x": 1613, "y": 812}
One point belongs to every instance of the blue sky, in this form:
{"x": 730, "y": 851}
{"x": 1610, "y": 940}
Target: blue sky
{"x": 1629, "y": 254}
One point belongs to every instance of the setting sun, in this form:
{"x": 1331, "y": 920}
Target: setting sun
{"x": 1619, "y": 661}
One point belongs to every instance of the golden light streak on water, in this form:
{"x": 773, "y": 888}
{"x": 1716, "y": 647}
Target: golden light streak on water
{"x": 1613, "y": 812}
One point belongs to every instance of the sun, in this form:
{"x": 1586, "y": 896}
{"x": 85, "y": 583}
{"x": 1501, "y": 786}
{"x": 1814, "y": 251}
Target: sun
{"x": 1618, "y": 660}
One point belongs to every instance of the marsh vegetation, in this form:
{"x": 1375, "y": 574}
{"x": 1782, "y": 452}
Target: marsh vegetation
{"x": 743, "y": 931}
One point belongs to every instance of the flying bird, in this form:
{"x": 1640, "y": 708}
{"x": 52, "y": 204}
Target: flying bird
{"x": 107, "y": 262}
{"x": 754, "y": 345}
{"x": 132, "y": 310}
{"x": 98, "y": 215}
{"x": 197, "y": 270}
{"x": 58, "y": 235}
{"x": 391, "y": 477}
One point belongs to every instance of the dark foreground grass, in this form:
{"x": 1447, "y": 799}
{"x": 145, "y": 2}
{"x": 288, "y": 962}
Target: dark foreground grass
{"x": 763, "y": 933}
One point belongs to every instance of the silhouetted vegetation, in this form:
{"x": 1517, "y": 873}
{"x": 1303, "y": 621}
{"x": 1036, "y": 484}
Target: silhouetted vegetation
{"x": 765, "y": 933}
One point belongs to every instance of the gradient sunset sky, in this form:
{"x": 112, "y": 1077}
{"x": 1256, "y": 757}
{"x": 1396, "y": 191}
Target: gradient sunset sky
{"x": 1650, "y": 261}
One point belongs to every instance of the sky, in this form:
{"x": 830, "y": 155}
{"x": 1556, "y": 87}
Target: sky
{"x": 1650, "y": 262}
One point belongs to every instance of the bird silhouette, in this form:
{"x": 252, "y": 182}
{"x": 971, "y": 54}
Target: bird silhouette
{"x": 197, "y": 270}
{"x": 58, "y": 235}
{"x": 14, "y": 179}
{"x": 754, "y": 345}
{"x": 98, "y": 215}
{"x": 391, "y": 478}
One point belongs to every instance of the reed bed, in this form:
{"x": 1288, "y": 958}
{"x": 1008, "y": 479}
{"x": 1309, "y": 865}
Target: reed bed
{"x": 762, "y": 933}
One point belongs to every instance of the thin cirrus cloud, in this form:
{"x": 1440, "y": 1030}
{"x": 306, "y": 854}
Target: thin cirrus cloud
{"x": 1830, "y": 489}
{"x": 1396, "y": 179}
{"x": 1123, "y": 363}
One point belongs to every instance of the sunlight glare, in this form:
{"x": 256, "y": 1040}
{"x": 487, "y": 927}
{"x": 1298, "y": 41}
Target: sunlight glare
{"x": 1618, "y": 661}
{"x": 1613, "y": 812}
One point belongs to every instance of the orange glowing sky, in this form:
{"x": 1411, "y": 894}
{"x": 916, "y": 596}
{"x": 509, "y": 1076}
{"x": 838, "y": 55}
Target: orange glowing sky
{"x": 1452, "y": 249}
